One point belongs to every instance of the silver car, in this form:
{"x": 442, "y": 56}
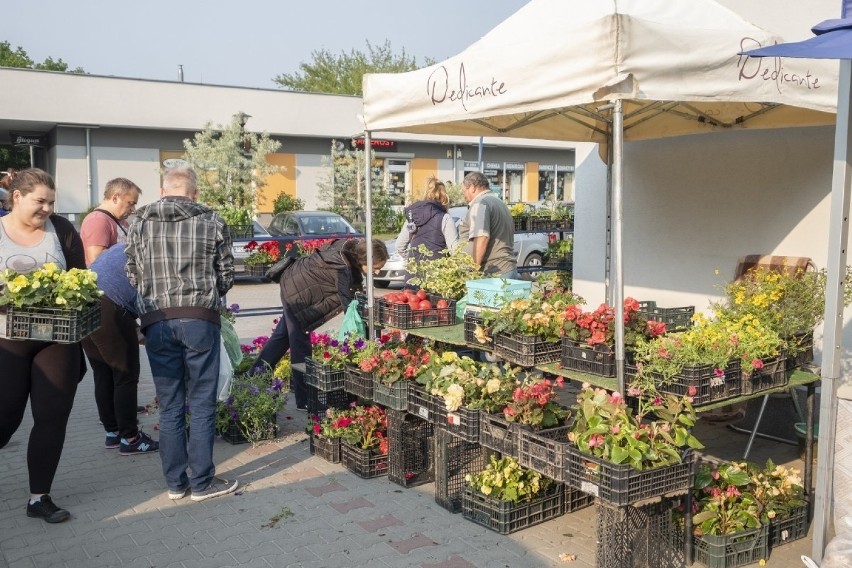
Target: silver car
{"x": 529, "y": 248}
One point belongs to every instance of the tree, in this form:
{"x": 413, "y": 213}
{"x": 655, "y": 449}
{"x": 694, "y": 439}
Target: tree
{"x": 231, "y": 165}
{"x": 342, "y": 191}
{"x": 19, "y": 59}
{"x": 341, "y": 74}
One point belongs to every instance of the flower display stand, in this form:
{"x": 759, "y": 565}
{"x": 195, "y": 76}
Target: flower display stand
{"x": 454, "y": 458}
{"x": 525, "y": 350}
{"x": 732, "y": 550}
{"x": 506, "y": 517}
{"x": 598, "y": 360}
{"x": 50, "y": 324}
{"x": 773, "y": 374}
{"x": 358, "y": 382}
{"x": 790, "y": 528}
{"x": 620, "y": 484}
{"x": 498, "y": 434}
{"x": 410, "y": 450}
{"x": 325, "y": 448}
{"x": 324, "y": 377}
{"x": 257, "y": 270}
{"x": 393, "y": 396}
{"x": 544, "y": 451}
{"x": 366, "y": 464}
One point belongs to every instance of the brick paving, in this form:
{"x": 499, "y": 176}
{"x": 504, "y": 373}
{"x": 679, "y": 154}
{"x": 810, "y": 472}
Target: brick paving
{"x": 292, "y": 509}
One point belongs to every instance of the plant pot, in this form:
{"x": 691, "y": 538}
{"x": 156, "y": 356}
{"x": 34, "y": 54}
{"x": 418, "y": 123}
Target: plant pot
{"x": 233, "y": 435}
{"x": 366, "y": 464}
{"x": 506, "y": 517}
{"x": 324, "y": 377}
{"x": 325, "y": 448}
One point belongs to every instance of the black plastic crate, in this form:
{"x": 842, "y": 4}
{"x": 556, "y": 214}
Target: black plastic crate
{"x": 393, "y": 396}
{"x": 498, "y": 434}
{"x": 576, "y": 499}
{"x": 52, "y": 324}
{"x": 454, "y": 458}
{"x": 319, "y": 401}
{"x": 233, "y": 435}
{"x": 257, "y": 270}
{"x": 463, "y": 422}
{"x": 676, "y": 319}
{"x": 732, "y": 550}
{"x": 620, "y": 484}
{"x": 638, "y": 536}
{"x": 525, "y": 350}
{"x": 325, "y": 448}
{"x": 548, "y": 224}
{"x": 472, "y": 319}
{"x": 803, "y": 350}
{"x": 794, "y": 527}
{"x": 421, "y": 403}
{"x": 506, "y": 517}
{"x": 323, "y": 377}
{"x": 358, "y": 382}
{"x": 544, "y": 451}
{"x": 411, "y": 449}
{"x": 598, "y": 360}
{"x": 773, "y": 374}
{"x": 366, "y": 464}
{"x": 709, "y": 386}
{"x": 520, "y": 223}
{"x": 361, "y": 299}
{"x": 401, "y": 316}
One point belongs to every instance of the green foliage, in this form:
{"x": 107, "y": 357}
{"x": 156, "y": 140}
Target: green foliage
{"x": 342, "y": 74}
{"x": 446, "y": 275}
{"x": 252, "y": 405}
{"x": 461, "y": 381}
{"x": 49, "y": 287}
{"x": 286, "y": 202}
{"x": 18, "y": 58}
{"x": 342, "y": 188}
{"x": 535, "y": 404}
{"x": 231, "y": 166}
{"x": 17, "y": 157}
{"x": 456, "y": 194}
{"x": 506, "y": 480}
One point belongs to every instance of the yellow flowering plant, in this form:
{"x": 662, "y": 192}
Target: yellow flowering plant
{"x": 49, "y": 287}
{"x": 461, "y": 381}
{"x": 506, "y": 480}
{"x": 542, "y": 314}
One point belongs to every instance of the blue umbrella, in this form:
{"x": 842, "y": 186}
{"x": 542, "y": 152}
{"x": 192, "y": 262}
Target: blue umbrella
{"x": 833, "y": 41}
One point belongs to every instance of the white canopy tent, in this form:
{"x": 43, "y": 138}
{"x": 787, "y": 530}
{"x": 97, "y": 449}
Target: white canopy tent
{"x": 606, "y": 71}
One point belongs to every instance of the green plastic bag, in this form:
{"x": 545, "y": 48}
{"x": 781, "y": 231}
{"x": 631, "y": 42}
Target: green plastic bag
{"x": 461, "y": 305}
{"x": 353, "y": 325}
{"x": 231, "y": 341}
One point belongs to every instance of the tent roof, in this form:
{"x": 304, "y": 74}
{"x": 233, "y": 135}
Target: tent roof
{"x": 546, "y": 70}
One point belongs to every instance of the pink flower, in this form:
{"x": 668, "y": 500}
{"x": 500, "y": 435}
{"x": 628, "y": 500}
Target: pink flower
{"x": 691, "y": 391}
{"x": 757, "y": 363}
{"x": 596, "y": 440}
{"x": 616, "y": 428}
{"x": 719, "y": 372}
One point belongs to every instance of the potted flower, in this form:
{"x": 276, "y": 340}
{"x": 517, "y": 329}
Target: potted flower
{"x": 520, "y": 214}
{"x": 534, "y": 404}
{"x": 249, "y": 414}
{"x": 506, "y": 497}
{"x": 327, "y": 432}
{"x": 445, "y": 275}
{"x": 261, "y": 256}
{"x": 324, "y": 367}
{"x": 392, "y": 370}
{"x": 364, "y": 449}
{"x": 560, "y": 253}
{"x": 358, "y": 370}
{"x": 623, "y": 456}
{"x": 66, "y": 299}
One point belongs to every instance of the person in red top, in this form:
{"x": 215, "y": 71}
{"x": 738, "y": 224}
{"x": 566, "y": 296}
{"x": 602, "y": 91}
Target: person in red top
{"x": 106, "y": 225}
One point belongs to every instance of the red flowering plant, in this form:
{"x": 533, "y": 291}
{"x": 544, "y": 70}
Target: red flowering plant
{"x": 534, "y": 403}
{"x": 366, "y": 352}
{"x": 403, "y": 362}
{"x": 368, "y": 429}
{"x": 333, "y": 424}
{"x": 267, "y": 252}
{"x": 598, "y": 327}
{"x": 305, "y": 248}
{"x": 326, "y": 350}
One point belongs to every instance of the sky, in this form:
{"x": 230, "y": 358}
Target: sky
{"x": 242, "y": 43}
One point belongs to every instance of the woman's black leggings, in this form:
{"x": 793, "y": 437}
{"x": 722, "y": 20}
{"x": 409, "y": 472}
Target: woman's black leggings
{"x": 47, "y": 374}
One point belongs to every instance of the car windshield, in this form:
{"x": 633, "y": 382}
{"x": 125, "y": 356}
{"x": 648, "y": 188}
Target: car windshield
{"x": 325, "y": 225}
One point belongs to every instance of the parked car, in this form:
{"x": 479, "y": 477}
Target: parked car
{"x": 289, "y": 227}
{"x": 529, "y": 249}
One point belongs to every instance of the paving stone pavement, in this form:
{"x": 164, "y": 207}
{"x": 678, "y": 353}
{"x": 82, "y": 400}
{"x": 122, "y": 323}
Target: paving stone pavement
{"x": 292, "y": 509}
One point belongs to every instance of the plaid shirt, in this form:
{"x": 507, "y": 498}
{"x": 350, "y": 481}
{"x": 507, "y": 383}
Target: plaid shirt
{"x": 179, "y": 259}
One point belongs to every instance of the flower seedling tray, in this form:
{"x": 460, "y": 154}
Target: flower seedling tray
{"x": 598, "y": 360}
{"x": 393, "y": 396}
{"x": 788, "y": 529}
{"x": 325, "y": 448}
{"x": 710, "y": 387}
{"x": 620, "y": 484}
{"x": 544, "y": 451}
{"x": 498, "y": 434}
{"x": 495, "y": 292}
{"x": 506, "y": 517}
{"x": 411, "y": 450}
{"x": 732, "y": 550}
{"x": 525, "y": 350}
{"x": 454, "y": 458}
{"x": 773, "y": 374}
{"x": 548, "y": 224}
{"x": 402, "y": 316}
{"x": 257, "y": 270}
{"x": 324, "y": 377}
{"x": 676, "y": 319}
{"x": 319, "y": 401}
{"x": 51, "y": 324}
{"x": 358, "y": 382}
{"x": 233, "y": 435}
{"x": 366, "y": 464}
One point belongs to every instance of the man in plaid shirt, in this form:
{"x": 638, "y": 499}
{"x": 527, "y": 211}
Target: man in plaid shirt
{"x": 179, "y": 259}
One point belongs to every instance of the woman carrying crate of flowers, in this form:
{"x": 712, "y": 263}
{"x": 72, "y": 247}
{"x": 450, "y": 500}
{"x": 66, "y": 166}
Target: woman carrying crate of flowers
{"x": 43, "y": 372}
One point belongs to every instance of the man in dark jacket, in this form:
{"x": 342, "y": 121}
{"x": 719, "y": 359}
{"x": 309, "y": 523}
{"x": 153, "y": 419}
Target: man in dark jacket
{"x": 314, "y": 289}
{"x": 179, "y": 259}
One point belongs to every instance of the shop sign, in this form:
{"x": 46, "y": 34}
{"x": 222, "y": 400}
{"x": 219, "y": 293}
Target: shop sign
{"x": 375, "y": 144}
{"x": 175, "y": 163}
{"x": 564, "y": 168}
{"x": 490, "y": 172}
{"x": 514, "y": 166}
{"x": 545, "y": 167}
{"x": 494, "y": 165}
{"x": 19, "y": 139}
{"x": 473, "y": 166}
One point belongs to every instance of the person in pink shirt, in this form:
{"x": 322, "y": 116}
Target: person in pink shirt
{"x": 106, "y": 225}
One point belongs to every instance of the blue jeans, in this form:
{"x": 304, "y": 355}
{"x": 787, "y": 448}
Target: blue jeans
{"x": 184, "y": 359}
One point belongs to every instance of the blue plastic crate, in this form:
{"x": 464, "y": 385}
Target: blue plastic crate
{"x": 494, "y": 292}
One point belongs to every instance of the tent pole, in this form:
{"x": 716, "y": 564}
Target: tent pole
{"x": 618, "y": 265}
{"x": 838, "y": 234}
{"x": 368, "y": 206}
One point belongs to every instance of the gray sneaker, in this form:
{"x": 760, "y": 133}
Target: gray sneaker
{"x": 217, "y": 487}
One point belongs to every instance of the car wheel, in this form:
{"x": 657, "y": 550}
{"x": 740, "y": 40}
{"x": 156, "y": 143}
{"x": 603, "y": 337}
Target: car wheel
{"x": 533, "y": 260}
{"x": 381, "y": 283}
